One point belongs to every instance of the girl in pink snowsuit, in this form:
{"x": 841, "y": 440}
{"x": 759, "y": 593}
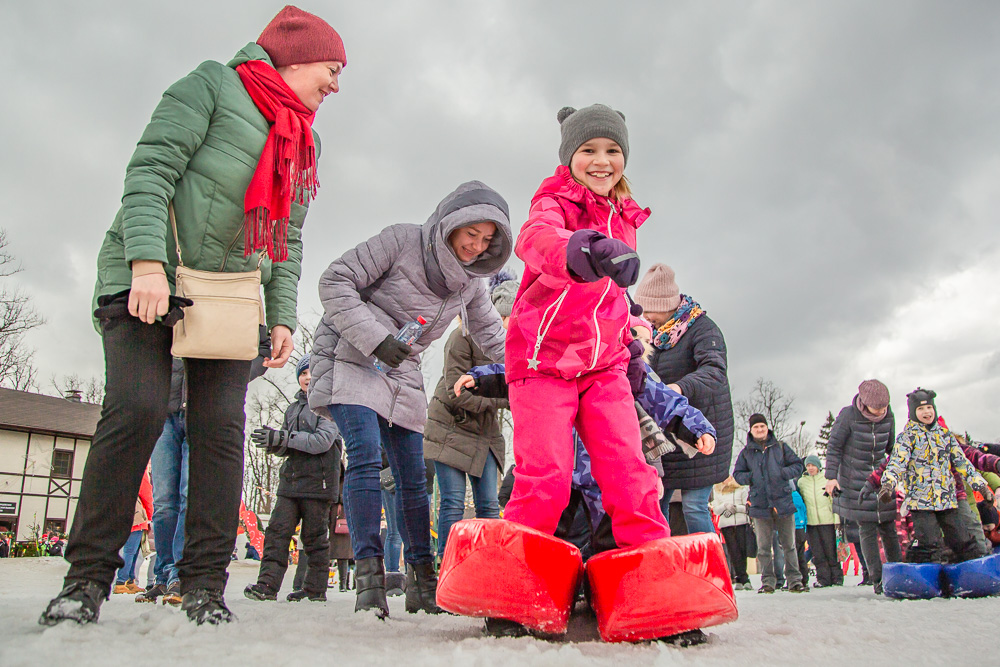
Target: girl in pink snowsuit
{"x": 566, "y": 348}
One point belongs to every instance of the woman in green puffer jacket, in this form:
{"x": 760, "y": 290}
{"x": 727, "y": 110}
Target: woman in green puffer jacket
{"x": 232, "y": 148}
{"x": 821, "y": 524}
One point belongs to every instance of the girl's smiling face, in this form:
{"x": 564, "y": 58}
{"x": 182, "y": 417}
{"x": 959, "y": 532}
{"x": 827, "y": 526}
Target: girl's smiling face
{"x": 471, "y": 241}
{"x": 598, "y": 165}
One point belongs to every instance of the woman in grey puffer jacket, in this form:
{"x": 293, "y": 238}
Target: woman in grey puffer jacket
{"x": 435, "y": 271}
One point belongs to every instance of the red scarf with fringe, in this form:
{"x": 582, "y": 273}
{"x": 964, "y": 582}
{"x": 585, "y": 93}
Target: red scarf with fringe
{"x": 286, "y": 170}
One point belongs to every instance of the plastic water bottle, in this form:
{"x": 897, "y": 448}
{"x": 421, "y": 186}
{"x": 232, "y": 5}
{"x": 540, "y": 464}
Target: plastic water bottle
{"x": 408, "y": 333}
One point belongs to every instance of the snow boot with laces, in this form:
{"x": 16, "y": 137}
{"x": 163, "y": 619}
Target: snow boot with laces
{"x": 205, "y": 605}
{"x": 79, "y": 601}
{"x": 260, "y": 592}
{"x": 151, "y": 593}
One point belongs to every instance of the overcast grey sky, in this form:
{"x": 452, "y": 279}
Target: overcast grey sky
{"x": 823, "y": 175}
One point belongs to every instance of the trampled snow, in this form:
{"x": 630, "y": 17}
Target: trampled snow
{"x": 836, "y": 626}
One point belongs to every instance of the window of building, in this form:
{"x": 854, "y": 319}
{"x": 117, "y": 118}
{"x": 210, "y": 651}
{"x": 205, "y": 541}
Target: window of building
{"x": 62, "y": 463}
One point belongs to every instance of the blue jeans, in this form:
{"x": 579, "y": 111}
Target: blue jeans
{"x": 451, "y": 481}
{"x": 393, "y": 540}
{"x": 364, "y": 433}
{"x": 169, "y": 474}
{"x": 694, "y": 503}
{"x": 129, "y": 553}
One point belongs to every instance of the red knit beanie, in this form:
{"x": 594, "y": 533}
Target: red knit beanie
{"x": 295, "y": 37}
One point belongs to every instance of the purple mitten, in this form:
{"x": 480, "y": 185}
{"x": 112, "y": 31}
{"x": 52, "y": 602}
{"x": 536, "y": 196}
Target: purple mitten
{"x": 592, "y": 255}
{"x": 578, "y": 257}
{"x": 636, "y": 372}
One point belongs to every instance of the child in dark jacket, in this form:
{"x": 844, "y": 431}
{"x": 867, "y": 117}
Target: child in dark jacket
{"x": 767, "y": 466}
{"x": 309, "y": 481}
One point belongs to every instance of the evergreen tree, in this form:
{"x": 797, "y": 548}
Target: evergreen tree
{"x": 824, "y": 437}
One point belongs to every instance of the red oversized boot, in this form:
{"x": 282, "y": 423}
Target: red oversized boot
{"x": 661, "y": 588}
{"x": 500, "y": 569}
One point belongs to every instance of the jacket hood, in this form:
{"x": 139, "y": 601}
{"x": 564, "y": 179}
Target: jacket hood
{"x": 251, "y": 51}
{"x": 470, "y": 203}
{"x": 562, "y": 184}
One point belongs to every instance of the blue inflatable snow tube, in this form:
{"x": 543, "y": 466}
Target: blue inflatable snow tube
{"x": 974, "y": 578}
{"x": 911, "y": 581}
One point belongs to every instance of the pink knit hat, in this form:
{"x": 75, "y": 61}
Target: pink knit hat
{"x": 640, "y": 322}
{"x": 873, "y": 394}
{"x": 657, "y": 291}
{"x": 294, "y": 37}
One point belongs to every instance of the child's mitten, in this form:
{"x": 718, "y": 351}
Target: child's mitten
{"x": 636, "y": 371}
{"x": 887, "y": 492}
{"x": 591, "y": 256}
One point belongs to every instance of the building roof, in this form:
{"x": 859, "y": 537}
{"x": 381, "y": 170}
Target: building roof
{"x": 24, "y": 411}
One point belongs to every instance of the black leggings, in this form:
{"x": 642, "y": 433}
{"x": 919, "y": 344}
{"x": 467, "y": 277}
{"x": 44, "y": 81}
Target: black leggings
{"x": 137, "y": 384}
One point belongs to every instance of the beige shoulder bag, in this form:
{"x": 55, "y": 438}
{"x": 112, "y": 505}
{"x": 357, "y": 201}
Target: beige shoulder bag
{"x": 224, "y": 322}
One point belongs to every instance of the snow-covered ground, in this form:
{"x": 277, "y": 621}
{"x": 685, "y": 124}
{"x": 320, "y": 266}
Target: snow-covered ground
{"x": 839, "y": 626}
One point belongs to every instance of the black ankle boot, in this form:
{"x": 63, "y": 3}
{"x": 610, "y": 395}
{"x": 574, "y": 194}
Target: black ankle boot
{"x": 421, "y": 588}
{"x": 369, "y": 578}
{"x": 79, "y": 601}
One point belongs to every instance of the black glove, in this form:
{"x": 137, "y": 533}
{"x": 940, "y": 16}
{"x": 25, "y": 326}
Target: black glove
{"x": 591, "y": 255}
{"x": 273, "y": 440}
{"x": 392, "y": 352}
{"x": 490, "y": 386}
{"x": 887, "y": 492}
{"x": 866, "y": 491}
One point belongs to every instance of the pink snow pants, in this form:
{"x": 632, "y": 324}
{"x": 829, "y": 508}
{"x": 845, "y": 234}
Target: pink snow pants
{"x": 600, "y": 406}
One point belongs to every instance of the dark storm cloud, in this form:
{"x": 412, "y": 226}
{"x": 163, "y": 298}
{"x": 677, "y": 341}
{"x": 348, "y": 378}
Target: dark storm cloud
{"x": 811, "y": 166}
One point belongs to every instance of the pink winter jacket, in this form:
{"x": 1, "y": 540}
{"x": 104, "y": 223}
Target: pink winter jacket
{"x": 559, "y": 325}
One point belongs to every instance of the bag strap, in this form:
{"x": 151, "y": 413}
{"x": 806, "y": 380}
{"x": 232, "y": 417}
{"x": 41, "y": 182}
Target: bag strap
{"x": 177, "y": 242}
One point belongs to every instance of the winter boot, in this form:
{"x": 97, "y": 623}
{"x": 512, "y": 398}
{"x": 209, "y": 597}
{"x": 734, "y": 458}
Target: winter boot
{"x": 369, "y": 577}
{"x": 501, "y": 627}
{"x": 151, "y": 593}
{"x": 260, "y": 592}
{"x": 79, "y": 601}
{"x": 685, "y": 639}
{"x": 344, "y": 574}
{"x": 395, "y": 583}
{"x": 173, "y": 594}
{"x": 206, "y": 605}
{"x": 298, "y": 596}
{"x": 421, "y": 588}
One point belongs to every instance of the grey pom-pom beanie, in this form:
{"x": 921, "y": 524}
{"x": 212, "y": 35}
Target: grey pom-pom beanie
{"x": 579, "y": 126}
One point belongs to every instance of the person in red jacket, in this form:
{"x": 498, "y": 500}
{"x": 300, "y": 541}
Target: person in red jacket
{"x": 567, "y": 345}
{"x": 125, "y": 579}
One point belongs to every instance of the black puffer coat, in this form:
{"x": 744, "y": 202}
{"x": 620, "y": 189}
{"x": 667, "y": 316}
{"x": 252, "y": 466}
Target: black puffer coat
{"x": 312, "y": 466}
{"x": 697, "y": 364}
{"x": 767, "y": 470}
{"x": 856, "y": 446}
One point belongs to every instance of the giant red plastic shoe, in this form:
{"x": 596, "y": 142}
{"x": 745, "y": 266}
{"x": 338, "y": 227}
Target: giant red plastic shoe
{"x": 501, "y": 569}
{"x": 661, "y": 588}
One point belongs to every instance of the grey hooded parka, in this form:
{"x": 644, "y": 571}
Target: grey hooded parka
{"x": 406, "y": 271}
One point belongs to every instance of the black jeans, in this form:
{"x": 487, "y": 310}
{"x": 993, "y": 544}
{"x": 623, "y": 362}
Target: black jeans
{"x": 870, "y": 531}
{"x": 137, "y": 383}
{"x": 823, "y": 545}
{"x": 800, "y": 552}
{"x": 315, "y": 543}
{"x": 927, "y": 529}
{"x": 736, "y": 549}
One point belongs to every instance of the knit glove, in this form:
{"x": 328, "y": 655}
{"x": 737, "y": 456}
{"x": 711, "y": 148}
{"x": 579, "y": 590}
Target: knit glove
{"x": 887, "y": 492}
{"x": 728, "y": 509}
{"x": 984, "y": 489}
{"x": 636, "y": 371}
{"x": 490, "y": 386}
{"x": 275, "y": 441}
{"x": 591, "y": 256}
{"x": 392, "y": 352}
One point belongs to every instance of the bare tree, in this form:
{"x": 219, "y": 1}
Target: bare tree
{"x": 91, "y": 390}
{"x": 769, "y": 400}
{"x": 266, "y": 407}
{"x": 17, "y": 317}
